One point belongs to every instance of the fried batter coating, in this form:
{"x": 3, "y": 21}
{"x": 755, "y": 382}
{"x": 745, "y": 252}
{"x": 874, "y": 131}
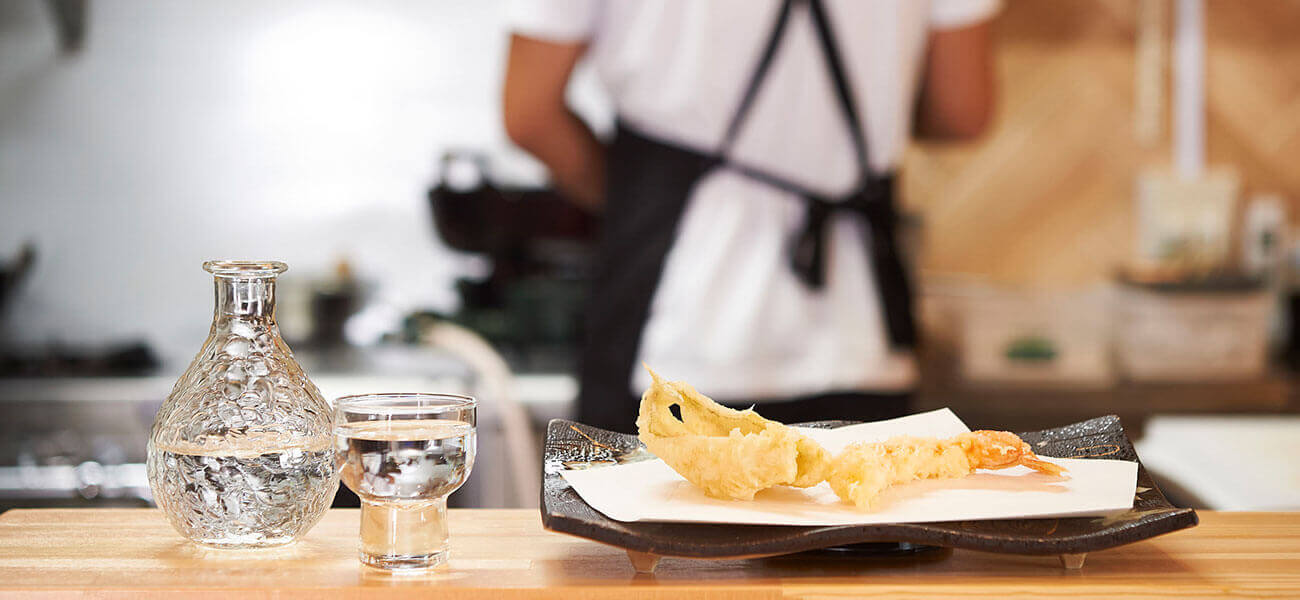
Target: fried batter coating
{"x": 863, "y": 470}
{"x": 726, "y": 453}
{"x": 737, "y": 453}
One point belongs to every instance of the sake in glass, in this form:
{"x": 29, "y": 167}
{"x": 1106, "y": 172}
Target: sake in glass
{"x": 403, "y": 454}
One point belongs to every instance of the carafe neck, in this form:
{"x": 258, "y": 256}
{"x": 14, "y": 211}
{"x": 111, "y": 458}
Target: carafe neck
{"x": 244, "y": 299}
{"x": 245, "y": 289}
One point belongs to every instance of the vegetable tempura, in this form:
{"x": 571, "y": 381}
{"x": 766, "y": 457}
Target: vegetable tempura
{"x": 727, "y": 453}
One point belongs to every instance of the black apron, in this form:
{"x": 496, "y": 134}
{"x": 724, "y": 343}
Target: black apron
{"x": 649, "y": 182}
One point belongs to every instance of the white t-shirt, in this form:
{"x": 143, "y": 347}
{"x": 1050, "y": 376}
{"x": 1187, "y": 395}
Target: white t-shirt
{"x": 729, "y": 316}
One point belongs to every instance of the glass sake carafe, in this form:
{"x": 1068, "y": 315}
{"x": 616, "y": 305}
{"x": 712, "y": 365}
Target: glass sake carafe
{"x": 241, "y": 455}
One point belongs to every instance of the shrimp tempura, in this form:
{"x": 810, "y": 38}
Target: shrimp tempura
{"x": 863, "y": 470}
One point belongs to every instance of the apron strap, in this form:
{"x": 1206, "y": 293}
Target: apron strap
{"x": 873, "y": 195}
{"x": 756, "y": 78}
{"x": 835, "y": 65}
{"x": 843, "y": 92}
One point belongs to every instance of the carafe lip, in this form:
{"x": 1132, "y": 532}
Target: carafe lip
{"x": 245, "y": 269}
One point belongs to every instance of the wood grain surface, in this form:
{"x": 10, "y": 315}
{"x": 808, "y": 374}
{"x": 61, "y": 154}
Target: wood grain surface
{"x": 505, "y": 554}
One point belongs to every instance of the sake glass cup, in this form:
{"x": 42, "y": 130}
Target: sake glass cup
{"x": 403, "y": 454}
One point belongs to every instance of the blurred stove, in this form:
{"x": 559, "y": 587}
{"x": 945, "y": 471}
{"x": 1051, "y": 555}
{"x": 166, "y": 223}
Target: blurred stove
{"x": 72, "y": 421}
{"x": 76, "y": 441}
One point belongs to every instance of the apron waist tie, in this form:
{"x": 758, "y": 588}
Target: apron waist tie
{"x": 874, "y": 202}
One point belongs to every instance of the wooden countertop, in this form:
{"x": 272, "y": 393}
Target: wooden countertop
{"x": 114, "y": 553}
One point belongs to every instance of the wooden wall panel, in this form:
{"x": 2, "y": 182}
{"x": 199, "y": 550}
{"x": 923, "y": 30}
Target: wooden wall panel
{"x": 1046, "y": 197}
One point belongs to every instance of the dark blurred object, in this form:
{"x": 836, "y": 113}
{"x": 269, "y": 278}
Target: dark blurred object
{"x": 131, "y": 358}
{"x": 13, "y": 272}
{"x": 70, "y": 21}
{"x": 473, "y": 214}
{"x": 54, "y": 360}
{"x": 330, "y": 309}
{"x": 542, "y": 250}
{"x": 331, "y": 302}
{"x": 1290, "y": 284}
{"x": 1292, "y": 342}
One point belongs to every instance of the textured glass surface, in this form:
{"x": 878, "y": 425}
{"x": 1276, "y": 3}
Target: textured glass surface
{"x": 241, "y": 451}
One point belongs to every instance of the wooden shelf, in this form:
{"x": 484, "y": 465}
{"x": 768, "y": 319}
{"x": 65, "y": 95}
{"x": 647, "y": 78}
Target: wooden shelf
{"x": 1027, "y": 407}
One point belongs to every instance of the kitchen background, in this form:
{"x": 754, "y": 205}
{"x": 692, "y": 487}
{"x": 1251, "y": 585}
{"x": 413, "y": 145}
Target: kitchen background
{"x": 138, "y": 139}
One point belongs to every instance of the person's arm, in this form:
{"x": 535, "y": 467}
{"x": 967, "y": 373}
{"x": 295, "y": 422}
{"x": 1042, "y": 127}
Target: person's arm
{"x": 956, "y": 99}
{"x": 539, "y": 121}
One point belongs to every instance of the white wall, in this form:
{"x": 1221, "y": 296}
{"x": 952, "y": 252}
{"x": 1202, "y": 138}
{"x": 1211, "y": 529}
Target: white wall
{"x": 300, "y": 130}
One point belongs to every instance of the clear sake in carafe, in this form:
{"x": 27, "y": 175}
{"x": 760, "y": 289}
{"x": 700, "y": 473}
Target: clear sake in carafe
{"x": 240, "y": 455}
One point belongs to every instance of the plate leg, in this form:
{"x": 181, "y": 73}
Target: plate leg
{"x": 1073, "y": 561}
{"x": 643, "y": 562}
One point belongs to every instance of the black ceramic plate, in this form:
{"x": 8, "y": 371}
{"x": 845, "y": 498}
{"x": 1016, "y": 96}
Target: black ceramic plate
{"x": 574, "y": 445}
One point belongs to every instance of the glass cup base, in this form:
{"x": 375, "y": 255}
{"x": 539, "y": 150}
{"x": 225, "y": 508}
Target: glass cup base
{"x": 403, "y": 535}
{"x": 404, "y": 562}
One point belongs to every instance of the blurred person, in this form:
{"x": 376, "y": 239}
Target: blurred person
{"x": 748, "y": 192}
